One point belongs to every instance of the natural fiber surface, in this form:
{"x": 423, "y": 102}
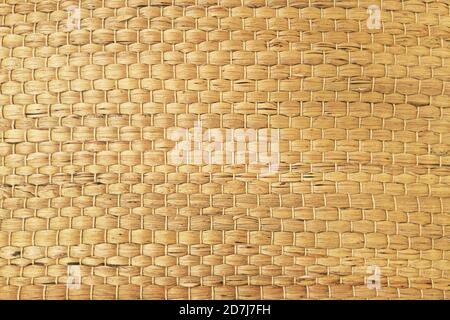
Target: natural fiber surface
{"x": 363, "y": 116}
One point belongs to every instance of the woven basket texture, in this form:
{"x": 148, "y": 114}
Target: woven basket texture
{"x": 362, "y": 188}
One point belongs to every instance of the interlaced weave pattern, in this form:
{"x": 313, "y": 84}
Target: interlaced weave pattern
{"x": 362, "y": 188}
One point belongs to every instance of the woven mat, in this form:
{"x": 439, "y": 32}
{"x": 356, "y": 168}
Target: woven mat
{"x": 355, "y": 203}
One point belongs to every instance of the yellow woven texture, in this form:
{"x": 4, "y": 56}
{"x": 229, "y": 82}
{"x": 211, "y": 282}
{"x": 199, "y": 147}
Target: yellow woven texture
{"x": 363, "y": 181}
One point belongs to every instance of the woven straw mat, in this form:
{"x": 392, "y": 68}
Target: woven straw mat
{"x": 357, "y": 205}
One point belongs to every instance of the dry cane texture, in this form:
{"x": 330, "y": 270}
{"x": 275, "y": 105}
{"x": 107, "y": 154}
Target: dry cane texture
{"x": 362, "y": 186}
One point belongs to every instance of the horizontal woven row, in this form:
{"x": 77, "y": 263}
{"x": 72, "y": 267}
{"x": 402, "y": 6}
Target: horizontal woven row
{"x": 241, "y": 292}
{"x": 111, "y": 7}
{"x": 89, "y": 113}
{"x": 431, "y": 237}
